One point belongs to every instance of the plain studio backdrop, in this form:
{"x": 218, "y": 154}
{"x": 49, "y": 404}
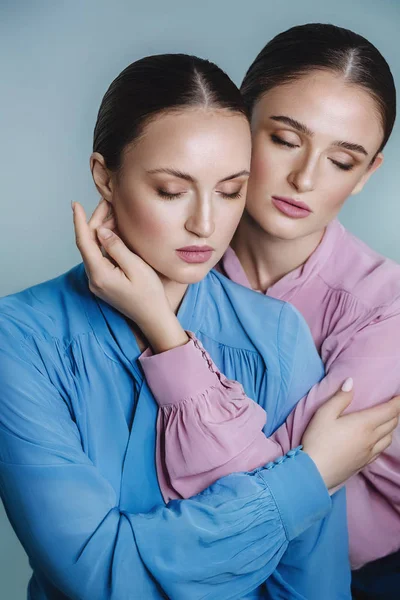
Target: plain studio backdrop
{"x": 59, "y": 57}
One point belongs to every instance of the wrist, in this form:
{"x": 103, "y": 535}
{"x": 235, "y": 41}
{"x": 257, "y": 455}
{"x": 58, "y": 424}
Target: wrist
{"x": 165, "y": 333}
{"x": 322, "y": 471}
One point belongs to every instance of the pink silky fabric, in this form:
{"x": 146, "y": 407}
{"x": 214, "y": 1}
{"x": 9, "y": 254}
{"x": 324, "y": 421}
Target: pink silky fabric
{"x": 350, "y": 298}
{"x": 206, "y": 426}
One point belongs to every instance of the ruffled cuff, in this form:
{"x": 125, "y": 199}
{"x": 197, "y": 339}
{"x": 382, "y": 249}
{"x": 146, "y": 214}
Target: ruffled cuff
{"x": 230, "y": 538}
{"x": 180, "y": 373}
{"x": 298, "y": 489}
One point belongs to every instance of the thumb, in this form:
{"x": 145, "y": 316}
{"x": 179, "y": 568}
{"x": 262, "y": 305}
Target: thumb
{"x": 338, "y": 403}
{"x": 116, "y": 249}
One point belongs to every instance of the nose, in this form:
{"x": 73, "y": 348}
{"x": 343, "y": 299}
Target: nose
{"x": 201, "y": 219}
{"x": 302, "y": 177}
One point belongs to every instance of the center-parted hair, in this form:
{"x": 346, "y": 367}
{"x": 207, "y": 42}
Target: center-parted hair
{"x": 154, "y": 85}
{"x": 302, "y": 49}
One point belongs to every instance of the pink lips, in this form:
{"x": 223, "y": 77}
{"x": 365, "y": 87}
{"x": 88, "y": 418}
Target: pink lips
{"x": 195, "y": 254}
{"x": 291, "y": 208}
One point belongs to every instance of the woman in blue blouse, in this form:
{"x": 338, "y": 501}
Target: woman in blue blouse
{"x": 77, "y": 419}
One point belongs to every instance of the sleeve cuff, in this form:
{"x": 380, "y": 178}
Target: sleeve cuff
{"x": 178, "y": 374}
{"x": 299, "y": 491}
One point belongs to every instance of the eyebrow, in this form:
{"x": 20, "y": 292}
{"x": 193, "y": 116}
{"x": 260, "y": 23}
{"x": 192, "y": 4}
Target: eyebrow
{"x": 304, "y": 129}
{"x": 293, "y": 123}
{"x": 188, "y": 177}
{"x": 350, "y": 146}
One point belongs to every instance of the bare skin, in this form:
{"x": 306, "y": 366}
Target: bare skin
{"x": 148, "y": 286}
{"x": 296, "y": 129}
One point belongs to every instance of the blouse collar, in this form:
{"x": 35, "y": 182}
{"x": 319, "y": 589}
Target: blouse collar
{"x": 290, "y": 283}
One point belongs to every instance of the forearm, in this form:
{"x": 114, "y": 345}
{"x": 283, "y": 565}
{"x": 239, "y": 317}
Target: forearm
{"x": 316, "y": 564}
{"x": 164, "y": 333}
{"x": 207, "y": 426}
{"x": 242, "y": 524}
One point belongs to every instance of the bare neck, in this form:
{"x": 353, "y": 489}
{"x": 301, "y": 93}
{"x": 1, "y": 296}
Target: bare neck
{"x": 265, "y": 258}
{"x": 175, "y": 292}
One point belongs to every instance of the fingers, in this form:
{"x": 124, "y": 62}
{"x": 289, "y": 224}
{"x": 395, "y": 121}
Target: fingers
{"x": 103, "y": 216}
{"x": 386, "y": 428}
{"x": 378, "y": 415}
{"x": 380, "y": 447}
{"x": 100, "y": 214}
{"x": 87, "y": 246}
{"x": 109, "y": 223}
{"x": 337, "y": 403}
{"x": 116, "y": 249}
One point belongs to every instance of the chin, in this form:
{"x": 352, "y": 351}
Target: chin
{"x": 284, "y": 231}
{"x": 281, "y": 227}
{"x": 189, "y": 274}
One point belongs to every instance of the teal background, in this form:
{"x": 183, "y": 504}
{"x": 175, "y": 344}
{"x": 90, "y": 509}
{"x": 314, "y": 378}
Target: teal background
{"x": 58, "y": 58}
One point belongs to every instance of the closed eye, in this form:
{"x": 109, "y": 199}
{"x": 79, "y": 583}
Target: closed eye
{"x": 342, "y": 166}
{"x": 167, "y": 195}
{"x": 232, "y": 196}
{"x": 281, "y": 142}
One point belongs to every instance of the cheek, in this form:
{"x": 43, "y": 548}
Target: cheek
{"x": 141, "y": 223}
{"x": 335, "y": 193}
{"x": 229, "y": 216}
{"x": 264, "y": 165}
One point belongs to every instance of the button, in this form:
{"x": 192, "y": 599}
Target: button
{"x": 294, "y": 451}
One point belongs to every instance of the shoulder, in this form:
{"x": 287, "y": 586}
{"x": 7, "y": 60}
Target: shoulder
{"x": 367, "y": 278}
{"x": 52, "y": 309}
{"x": 232, "y": 308}
{"x": 242, "y": 318}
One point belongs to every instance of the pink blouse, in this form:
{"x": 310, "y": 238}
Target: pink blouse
{"x": 207, "y": 427}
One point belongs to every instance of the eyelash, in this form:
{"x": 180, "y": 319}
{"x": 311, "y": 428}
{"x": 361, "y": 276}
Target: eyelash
{"x": 168, "y": 196}
{"x": 337, "y": 164}
{"x": 278, "y": 140}
{"x": 341, "y": 166}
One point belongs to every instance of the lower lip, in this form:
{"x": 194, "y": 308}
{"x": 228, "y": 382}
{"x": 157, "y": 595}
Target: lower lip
{"x": 194, "y": 257}
{"x": 294, "y": 212}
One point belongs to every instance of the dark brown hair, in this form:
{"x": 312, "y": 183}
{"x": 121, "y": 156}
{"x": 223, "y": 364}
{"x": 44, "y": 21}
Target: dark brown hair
{"x": 304, "y": 48}
{"x": 151, "y": 86}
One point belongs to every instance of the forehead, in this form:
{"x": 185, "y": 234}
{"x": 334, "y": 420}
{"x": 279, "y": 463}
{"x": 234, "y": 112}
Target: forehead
{"x": 327, "y": 105}
{"x": 193, "y": 140}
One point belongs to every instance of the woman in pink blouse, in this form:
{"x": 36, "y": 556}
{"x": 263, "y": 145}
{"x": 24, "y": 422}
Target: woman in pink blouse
{"x": 323, "y": 106}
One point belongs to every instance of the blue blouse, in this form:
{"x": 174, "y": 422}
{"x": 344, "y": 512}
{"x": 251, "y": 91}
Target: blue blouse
{"x": 77, "y": 455}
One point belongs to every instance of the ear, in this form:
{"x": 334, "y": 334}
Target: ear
{"x": 101, "y": 176}
{"x": 378, "y": 160}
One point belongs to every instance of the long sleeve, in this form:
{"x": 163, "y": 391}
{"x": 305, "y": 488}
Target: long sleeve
{"x": 372, "y": 358}
{"x": 225, "y": 541}
{"x": 207, "y": 427}
{"x": 315, "y": 565}
{"x": 195, "y": 398}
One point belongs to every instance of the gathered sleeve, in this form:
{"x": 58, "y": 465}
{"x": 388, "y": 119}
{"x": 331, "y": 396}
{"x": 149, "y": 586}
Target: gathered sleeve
{"x": 316, "y": 564}
{"x": 206, "y": 427}
{"x": 226, "y": 540}
{"x": 371, "y": 357}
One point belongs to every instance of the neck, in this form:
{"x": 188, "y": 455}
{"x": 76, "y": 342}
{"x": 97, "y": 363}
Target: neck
{"x": 174, "y": 292}
{"x": 265, "y": 258}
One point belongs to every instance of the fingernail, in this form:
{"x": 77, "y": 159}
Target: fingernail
{"x": 104, "y": 233}
{"x": 347, "y": 385}
{"x": 73, "y": 206}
